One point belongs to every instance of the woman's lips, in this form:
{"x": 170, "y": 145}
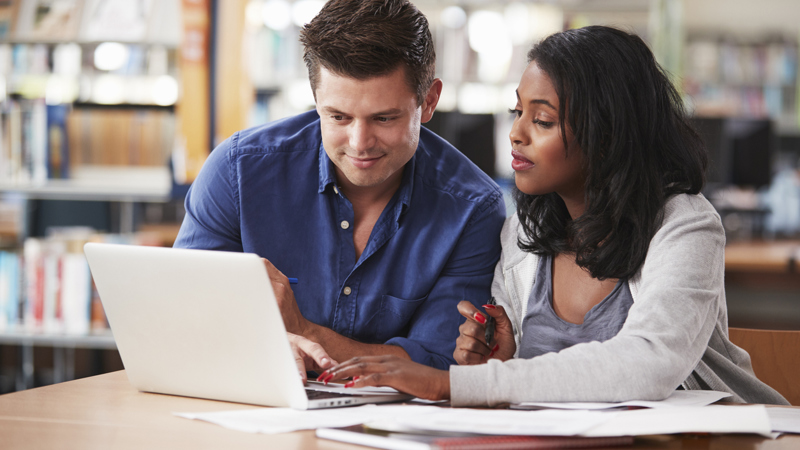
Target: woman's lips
{"x": 520, "y": 162}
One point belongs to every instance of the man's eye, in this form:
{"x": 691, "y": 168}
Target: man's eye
{"x": 382, "y": 119}
{"x": 337, "y": 117}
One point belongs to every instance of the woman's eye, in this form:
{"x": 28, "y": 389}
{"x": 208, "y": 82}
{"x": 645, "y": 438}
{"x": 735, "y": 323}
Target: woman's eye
{"x": 516, "y": 112}
{"x": 542, "y": 123}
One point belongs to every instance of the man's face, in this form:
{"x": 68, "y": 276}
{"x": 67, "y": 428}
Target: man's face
{"x": 370, "y": 128}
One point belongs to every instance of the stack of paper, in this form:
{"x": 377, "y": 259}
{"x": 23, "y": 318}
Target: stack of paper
{"x": 682, "y": 413}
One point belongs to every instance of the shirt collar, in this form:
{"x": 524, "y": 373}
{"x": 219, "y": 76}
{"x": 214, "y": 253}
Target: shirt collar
{"x": 327, "y": 177}
{"x": 327, "y": 171}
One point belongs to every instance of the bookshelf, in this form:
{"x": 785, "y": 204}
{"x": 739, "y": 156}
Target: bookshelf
{"x": 752, "y": 77}
{"x": 93, "y": 111}
{"x": 63, "y": 345}
{"x": 101, "y": 183}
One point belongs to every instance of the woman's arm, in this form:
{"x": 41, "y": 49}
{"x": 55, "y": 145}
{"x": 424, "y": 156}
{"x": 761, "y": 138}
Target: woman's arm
{"x": 402, "y": 374}
{"x": 667, "y": 330}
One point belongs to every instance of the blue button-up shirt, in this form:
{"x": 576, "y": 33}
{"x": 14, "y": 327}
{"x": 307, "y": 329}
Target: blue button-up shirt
{"x": 271, "y": 190}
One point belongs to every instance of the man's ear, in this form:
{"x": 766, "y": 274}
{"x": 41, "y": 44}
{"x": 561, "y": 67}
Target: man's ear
{"x": 431, "y": 100}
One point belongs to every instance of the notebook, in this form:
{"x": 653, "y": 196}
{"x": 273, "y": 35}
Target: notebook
{"x": 363, "y": 435}
{"x": 201, "y": 323}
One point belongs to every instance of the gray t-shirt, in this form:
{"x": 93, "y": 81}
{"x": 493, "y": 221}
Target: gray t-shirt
{"x": 544, "y": 332}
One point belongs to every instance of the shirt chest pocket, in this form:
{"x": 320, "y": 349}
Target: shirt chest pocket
{"x": 395, "y": 315}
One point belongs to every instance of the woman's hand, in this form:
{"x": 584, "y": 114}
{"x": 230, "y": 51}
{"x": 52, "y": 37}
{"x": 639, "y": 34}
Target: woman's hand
{"x": 402, "y": 374}
{"x": 471, "y": 345}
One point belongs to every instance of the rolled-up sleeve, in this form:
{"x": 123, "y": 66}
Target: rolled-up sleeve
{"x": 211, "y": 220}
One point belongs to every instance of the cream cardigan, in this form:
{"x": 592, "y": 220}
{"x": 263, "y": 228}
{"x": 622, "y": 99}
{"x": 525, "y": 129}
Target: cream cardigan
{"x": 676, "y": 333}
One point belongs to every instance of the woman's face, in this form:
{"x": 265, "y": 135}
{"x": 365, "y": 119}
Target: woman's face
{"x": 541, "y": 163}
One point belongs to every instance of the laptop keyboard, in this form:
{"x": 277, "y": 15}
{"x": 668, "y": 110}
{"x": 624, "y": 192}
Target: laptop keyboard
{"x": 319, "y": 395}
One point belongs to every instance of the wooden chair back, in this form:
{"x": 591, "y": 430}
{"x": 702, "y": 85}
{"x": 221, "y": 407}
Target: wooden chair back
{"x": 776, "y": 358}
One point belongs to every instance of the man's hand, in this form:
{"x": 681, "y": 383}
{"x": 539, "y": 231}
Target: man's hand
{"x": 293, "y": 320}
{"x": 309, "y": 355}
{"x": 471, "y": 347}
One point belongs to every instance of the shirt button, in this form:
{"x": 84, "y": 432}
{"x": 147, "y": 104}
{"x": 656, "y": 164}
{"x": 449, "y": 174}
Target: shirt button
{"x": 335, "y": 189}
{"x": 347, "y": 290}
{"x": 345, "y": 224}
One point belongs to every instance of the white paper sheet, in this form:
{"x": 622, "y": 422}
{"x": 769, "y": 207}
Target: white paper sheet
{"x": 690, "y": 419}
{"x": 407, "y": 417}
{"x": 284, "y": 420}
{"x": 678, "y": 419}
{"x": 499, "y": 422}
{"x": 784, "y": 420}
{"x": 678, "y": 398}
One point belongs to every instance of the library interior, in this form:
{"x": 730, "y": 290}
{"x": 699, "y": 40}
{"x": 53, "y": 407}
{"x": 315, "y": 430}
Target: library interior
{"x": 109, "y": 108}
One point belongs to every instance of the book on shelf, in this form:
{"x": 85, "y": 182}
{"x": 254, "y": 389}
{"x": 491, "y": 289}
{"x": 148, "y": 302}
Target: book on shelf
{"x": 755, "y": 78}
{"x": 12, "y": 220}
{"x": 57, "y": 148}
{"x": 23, "y": 152}
{"x": 10, "y": 281}
{"x": 48, "y": 20}
{"x": 40, "y": 142}
{"x": 8, "y": 18}
{"x": 91, "y": 21}
{"x": 115, "y": 20}
{"x": 46, "y": 286}
{"x": 120, "y": 136}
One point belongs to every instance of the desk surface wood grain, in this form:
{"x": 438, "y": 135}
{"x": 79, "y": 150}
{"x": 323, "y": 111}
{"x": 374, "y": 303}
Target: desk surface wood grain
{"x": 762, "y": 256}
{"x": 106, "y": 412}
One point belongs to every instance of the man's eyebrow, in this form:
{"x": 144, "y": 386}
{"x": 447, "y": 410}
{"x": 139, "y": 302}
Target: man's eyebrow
{"x": 389, "y": 112}
{"x": 331, "y": 110}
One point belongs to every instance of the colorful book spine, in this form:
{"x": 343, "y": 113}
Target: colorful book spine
{"x": 34, "y": 284}
{"x": 9, "y": 290}
{"x": 57, "y": 148}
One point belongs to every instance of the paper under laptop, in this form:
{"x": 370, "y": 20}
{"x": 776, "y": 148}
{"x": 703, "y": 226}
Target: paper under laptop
{"x": 206, "y": 324}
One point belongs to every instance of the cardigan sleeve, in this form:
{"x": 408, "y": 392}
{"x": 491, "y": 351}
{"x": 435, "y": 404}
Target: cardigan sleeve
{"x": 679, "y": 288}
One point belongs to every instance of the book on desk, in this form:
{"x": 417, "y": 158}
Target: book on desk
{"x": 364, "y": 435}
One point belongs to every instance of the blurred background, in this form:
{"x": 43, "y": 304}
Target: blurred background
{"x": 108, "y": 109}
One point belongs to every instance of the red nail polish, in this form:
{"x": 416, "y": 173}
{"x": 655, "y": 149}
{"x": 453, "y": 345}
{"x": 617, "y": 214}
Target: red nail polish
{"x": 322, "y": 375}
{"x": 355, "y": 378}
{"x": 496, "y": 348}
{"x": 490, "y": 307}
{"x": 328, "y": 378}
{"x": 349, "y": 384}
{"x": 490, "y": 354}
{"x": 479, "y": 317}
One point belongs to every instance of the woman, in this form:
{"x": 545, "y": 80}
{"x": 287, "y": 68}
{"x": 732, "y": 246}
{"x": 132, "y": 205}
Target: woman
{"x": 610, "y": 286}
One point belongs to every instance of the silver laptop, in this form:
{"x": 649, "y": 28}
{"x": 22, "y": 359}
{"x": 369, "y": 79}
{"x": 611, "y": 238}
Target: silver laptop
{"x": 206, "y": 324}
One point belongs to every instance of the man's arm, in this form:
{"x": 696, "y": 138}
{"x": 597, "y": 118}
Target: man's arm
{"x": 212, "y": 220}
{"x": 433, "y": 329}
{"x": 339, "y": 347}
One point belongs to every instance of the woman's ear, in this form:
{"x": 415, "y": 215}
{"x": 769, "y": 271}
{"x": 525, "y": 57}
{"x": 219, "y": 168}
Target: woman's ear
{"x": 431, "y": 100}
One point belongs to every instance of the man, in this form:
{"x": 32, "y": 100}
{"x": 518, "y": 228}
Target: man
{"x": 386, "y": 226}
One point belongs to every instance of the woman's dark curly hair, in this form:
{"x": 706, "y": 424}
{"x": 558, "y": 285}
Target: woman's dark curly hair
{"x": 638, "y": 146}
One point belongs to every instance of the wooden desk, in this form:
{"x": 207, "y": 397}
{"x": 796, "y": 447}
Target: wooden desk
{"x": 762, "y": 265}
{"x": 105, "y": 412}
{"x": 762, "y": 256}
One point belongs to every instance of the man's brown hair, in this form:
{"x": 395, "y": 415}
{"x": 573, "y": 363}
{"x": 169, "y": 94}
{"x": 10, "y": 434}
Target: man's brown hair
{"x": 363, "y": 39}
